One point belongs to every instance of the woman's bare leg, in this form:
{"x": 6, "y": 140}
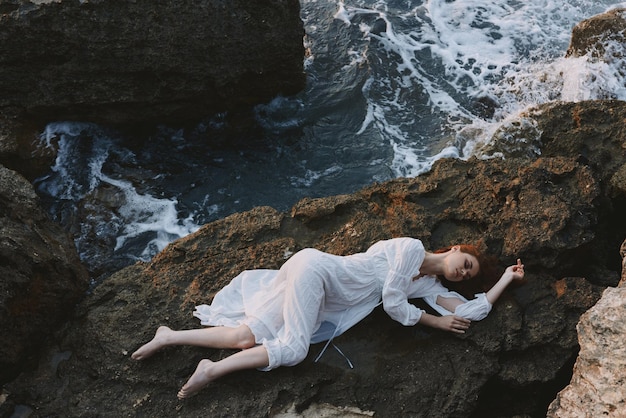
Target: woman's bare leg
{"x": 207, "y": 370}
{"x": 215, "y": 337}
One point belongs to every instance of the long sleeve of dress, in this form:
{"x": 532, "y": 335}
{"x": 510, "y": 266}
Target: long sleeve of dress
{"x": 474, "y": 310}
{"x": 405, "y": 257}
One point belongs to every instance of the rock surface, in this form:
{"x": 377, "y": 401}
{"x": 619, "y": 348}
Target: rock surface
{"x": 602, "y": 38}
{"x": 597, "y": 387}
{"x": 560, "y": 208}
{"x": 119, "y": 62}
{"x": 41, "y": 278}
{"x": 598, "y": 35}
{"x": 557, "y": 212}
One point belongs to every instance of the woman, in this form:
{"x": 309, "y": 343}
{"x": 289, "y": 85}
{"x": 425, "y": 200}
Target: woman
{"x": 274, "y": 315}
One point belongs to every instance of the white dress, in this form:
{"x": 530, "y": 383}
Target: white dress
{"x": 316, "y": 296}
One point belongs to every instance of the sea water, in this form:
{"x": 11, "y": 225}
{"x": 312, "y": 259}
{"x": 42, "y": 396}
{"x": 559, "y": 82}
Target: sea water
{"x": 392, "y": 86}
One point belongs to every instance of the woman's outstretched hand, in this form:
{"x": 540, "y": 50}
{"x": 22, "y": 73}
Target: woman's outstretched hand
{"x": 516, "y": 271}
{"x": 511, "y": 274}
{"x": 453, "y": 323}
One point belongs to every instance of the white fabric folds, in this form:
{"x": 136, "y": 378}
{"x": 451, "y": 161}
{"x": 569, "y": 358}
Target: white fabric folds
{"x": 316, "y": 296}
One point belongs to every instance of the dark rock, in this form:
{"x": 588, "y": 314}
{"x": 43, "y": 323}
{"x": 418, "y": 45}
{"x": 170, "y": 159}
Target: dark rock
{"x": 559, "y": 207}
{"x": 588, "y": 131}
{"x": 127, "y": 62}
{"x": 550, "y": 211}
{"x": 20, "y": 148}
{"x": 593, "y": 36}
{"x": 596, "y": 388}
{"x": 485, "y": 106}
{"x": 592, "y": 132}
{"x": 41, "y": 278}
{"x": 136, "y": 64}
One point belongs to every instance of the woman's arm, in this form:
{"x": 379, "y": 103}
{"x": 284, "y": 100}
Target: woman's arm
{"x": 458, "y": 324}
{"x": 449, "y": 303}
{"x": 512, "y": 273}
{"x": 405, "y": 256}
{"x": 515, "y": 272}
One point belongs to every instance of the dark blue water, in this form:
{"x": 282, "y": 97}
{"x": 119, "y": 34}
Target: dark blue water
{"x": 392, "y": 86}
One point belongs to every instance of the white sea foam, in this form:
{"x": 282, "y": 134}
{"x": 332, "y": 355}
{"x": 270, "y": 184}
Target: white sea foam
{"x": 510, "y": 53}
{"x": 83, "y": 149}
{"x": 146, "y": 215}
{"x": 78, "y": 161}
{"x": 427, "y": 64}
{"x": 311, "y": 176}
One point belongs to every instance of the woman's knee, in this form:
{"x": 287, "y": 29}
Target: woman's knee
{"x": 295, "y": 355}
{"x": 244, "y": 337}
{"x": 307, "y": 255}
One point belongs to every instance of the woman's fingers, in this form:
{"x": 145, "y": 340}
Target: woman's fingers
{"x": 459, "y": 325}
{"x": 462, "y": 321}
{"x": 454, "y": 324}
{"x": 518, "y": 268}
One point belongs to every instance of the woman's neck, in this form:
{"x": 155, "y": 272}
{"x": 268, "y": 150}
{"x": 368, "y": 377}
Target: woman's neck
{"x": 432, "y": 264}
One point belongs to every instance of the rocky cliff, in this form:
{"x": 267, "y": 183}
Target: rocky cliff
{"x": 41, "y": 277}
{"x": 140, "y": 63}
{"x": 596, "y": 388}
{"x": 560, "y": 210}
{"x": 118, "y": 63}
{"x": 560, "y": 213}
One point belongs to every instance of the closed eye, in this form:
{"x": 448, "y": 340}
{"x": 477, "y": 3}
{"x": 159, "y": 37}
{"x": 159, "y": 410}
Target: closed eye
{"x": 468, "y": 268}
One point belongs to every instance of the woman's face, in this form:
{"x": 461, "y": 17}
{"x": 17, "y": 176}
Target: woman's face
{"x": 460, "y": 266}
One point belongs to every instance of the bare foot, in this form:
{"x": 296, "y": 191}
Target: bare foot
{"x": 199, "y": 379}
{"x": 158, "y": 342}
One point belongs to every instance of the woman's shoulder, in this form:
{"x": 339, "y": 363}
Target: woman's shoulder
{"x": 407, "y": 243}
{"x": 399, "y": 247}
{"x": 401, "y": 241}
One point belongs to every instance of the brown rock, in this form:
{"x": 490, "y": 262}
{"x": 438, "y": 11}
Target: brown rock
{"x": 597, "y": 386}
{"x": 41, "y": 278}
{"x": 138, "y": 64}
{"x": 590, "y": 131}
{"x": 592, "y": 36}
{"x": 557, "y": 213}
{"x": 128, "y": 62}
{"x": 561, "y": 212}
{"x": 593, "y": 133}
{"x": 527, "y": 340}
